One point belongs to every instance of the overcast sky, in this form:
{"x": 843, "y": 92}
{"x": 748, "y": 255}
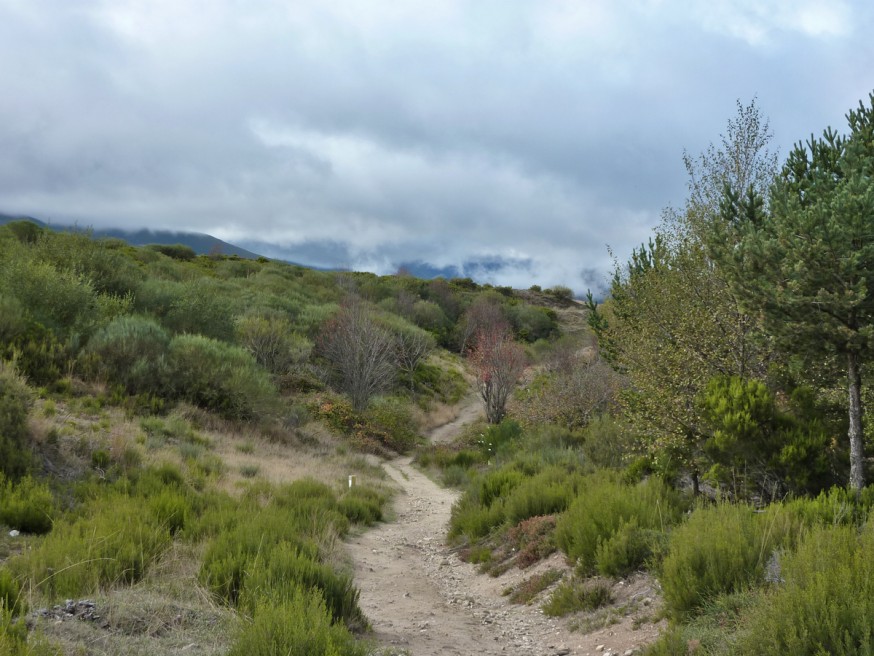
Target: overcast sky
{"x": 528, "y": 134}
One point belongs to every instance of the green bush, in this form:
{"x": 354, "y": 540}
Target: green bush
{"x": 391, "y": 422}
{"x": 548, "y": 492}
{"x": 175, "y": 251}
{"x": 627, "y": 550}
{"x": 298, "y": 516}
{"x": 15, "y": 403}
{"x": 204, "y": 306}
{"x": 114, "y": 543}
{"x": 298, "y": 625}
{"x": 719, "y": 549}
{"x": 577, "y": 595}
{"x": 27, "y": 505}
{"x": 282, "y": 570}
{"x": 219, "y": 377}
{"x": 362, "y": 505}
{"x": 38, "y": 355}
{"x": 532, "y": 323}
{"x": 60, "y": 300}
{"x": 825, "y": 604}
{"x": 10, "y": 594}
{"x": 273, "y": 343}
{"x": 131, "y": 351}
{"x": 605, "y": 505}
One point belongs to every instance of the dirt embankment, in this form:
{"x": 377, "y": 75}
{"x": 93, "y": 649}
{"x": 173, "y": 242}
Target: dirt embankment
{"x": 423, "y": 600}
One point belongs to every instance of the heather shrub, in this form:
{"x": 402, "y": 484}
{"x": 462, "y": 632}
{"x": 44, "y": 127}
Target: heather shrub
{"x": 15, "y": 403}
{"x": 578, "y": 595}
{"x": 628, "y": 549}
{"x": 720, "y": 549}
{"x": 282, "y": 570}
{"x": 114, "y": 543}
{"x": 297, "y": 625}
{"x": 604, "y": 506}
{"x": 10, "y": 593}
{"x": 825, "y": 601}
{"x": 26, "y": 505}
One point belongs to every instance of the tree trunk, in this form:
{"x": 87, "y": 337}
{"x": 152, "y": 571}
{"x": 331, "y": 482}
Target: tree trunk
{"x": 854, "y": 384}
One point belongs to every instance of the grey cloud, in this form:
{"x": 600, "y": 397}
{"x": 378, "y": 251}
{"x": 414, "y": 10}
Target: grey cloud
{"x": 447, "y": 133}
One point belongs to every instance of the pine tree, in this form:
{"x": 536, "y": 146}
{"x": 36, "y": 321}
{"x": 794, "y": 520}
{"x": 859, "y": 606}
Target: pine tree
{"x": 808, "y": 267}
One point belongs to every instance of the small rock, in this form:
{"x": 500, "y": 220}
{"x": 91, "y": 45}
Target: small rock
{"x": 628, "y": 652}
{"x": 14, "y": 534}
{"x": 599, "y": 648}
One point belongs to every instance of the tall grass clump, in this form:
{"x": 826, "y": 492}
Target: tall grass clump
{"x": 720, "y": 549}
{"x": 27, "y": 505}
{"x": 113, "y": 544}
{"x": 297, "y": 625}
{"x": 276, "y": 537}
{"x": 15, "y": 403}
{"x": 607, "y": 514}
{"x": 825, "y": 603}
{"x": 284, "y": 569}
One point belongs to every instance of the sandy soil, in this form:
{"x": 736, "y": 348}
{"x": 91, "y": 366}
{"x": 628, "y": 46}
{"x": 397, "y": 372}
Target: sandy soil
{"x": 420, "y": 597}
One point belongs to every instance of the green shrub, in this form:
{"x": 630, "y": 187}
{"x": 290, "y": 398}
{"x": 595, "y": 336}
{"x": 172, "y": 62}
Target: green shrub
{"x": 60, "y": 300}
{"x": 577, "y": 595}
{"x": 15, "y": 403}
{"x": 604, "y": 506}
{"x": 27, "y": 505}
{"x": 362, "y": 505}
{"x": 171, "y": 509}
{"x": 719, "y": 549}
{"x": 175, "y": 251}
{"x": 298, "y": 625}
{"x": 131, "y": 351}
{"x": 627, "y": 550}
{"x": 219, "y": 377}
{"x": 391, "y": 421}
{"x": 297, "y": 516}
{"x": 204, "y": 306}
{"x": 273, "y": 343}
{"x": 282, "y": 570}
{"x": 10, "y": 594}
{"x": 826, "y": 602}
{"x": 38, "y": 355}
{"x": 473, "y": 520}
{"x": 113, "y": 544}
{"x": 547, "y": 492}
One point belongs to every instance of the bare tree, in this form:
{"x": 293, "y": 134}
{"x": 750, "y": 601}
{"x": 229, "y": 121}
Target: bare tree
{"x": 361, "y": 353}
{"x": 412, "y": 346}
{"x": 499, "y": 363}
{"x": 483, "y": 313}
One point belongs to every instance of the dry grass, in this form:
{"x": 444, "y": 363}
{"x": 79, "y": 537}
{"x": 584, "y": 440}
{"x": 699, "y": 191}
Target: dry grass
{"x": 167, "y": 613}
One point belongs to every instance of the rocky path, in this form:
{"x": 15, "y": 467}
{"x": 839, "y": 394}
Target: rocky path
{"x": 420, "y": 597}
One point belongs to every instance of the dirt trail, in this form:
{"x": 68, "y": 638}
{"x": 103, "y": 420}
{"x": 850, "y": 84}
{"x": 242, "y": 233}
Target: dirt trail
{"x": 420, "y": 597}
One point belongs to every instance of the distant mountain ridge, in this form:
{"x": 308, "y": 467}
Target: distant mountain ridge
{"x": 201, "y": 243}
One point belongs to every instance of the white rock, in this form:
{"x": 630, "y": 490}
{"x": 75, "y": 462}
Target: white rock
{"x": 14, "y": 534}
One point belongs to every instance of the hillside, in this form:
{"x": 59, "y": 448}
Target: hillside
{"x": 201, "y": 244}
